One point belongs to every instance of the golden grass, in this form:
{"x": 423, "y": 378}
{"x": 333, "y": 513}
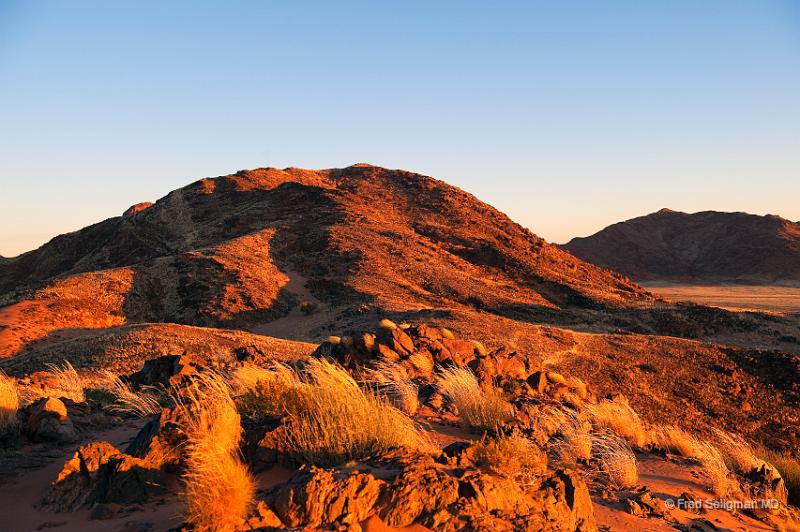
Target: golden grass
{"x": 573, "y": 441}
{"x": 714, "y": 467}
{"x": 398, "y": 386}
{"x": 789, "y": 468}
{"x": 143, "y": 403}
{"x": 676, "y": 441}
{"x": 737, "y": 453}
{"x": 9, "y": 402}
{"x": 511, "y": 456}
{"x": 331, "y": 418}
{"x": 219, "y": 490}
{"x": 479, "y": 408}
{"x": 620, "y": 419}
{"x": 615, "y": 460}
{"x": 68, "y": 383}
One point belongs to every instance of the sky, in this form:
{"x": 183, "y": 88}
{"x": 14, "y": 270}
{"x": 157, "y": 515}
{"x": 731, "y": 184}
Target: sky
{"x": 566, "y": 115}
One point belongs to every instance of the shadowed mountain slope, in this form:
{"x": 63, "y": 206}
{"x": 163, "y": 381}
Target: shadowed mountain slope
{"x": 702, "y": 247}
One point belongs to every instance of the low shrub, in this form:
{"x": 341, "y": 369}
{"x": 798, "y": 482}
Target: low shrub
{"x": 479, "y": 408}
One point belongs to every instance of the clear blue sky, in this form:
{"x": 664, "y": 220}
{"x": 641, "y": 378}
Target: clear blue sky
{"x": 566, "y": 115}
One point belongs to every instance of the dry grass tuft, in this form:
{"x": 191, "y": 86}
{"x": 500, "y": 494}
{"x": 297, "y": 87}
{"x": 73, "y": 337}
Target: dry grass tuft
{"x": 676, "y": 441}
{"x": 399, "y": 387}
{"x": 616, "y": 461}
{"x": 573, "y": 441}
{"x": 142, "y": 403}
{"x": 479, "y": 408}
{"x": 620, "y": 419}
{"x": 510, "y": 455}
{"x": 219, "y": 490}
{"x": 789, "y": 468}
{"x": 332, "y": 419}
{"x": 262, "y": 391}
{"x": 737, "y": 453}
{"x": 713, "y": 463}
{"x": 9, "y": 402}
{"x": 67, "y": 382}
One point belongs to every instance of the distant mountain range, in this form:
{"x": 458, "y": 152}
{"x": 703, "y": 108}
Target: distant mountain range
{"x": 706, "y": 246}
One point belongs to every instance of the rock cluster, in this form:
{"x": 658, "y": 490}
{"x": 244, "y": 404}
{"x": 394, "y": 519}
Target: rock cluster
{"x": 100, "y": 473}
{"x": 418, "y": 490}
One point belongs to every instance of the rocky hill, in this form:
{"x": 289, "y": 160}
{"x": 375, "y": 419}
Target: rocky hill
{"x": 701, "y": 247}
{"x": 225, "y": 252}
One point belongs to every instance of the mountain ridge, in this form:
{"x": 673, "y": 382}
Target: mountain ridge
{"x": 707, "y": 246}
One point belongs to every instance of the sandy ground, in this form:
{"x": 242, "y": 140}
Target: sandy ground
{"x": 732, "y": 297}
{"x": 19, "y": 500}
{"x": 669, "y": 481}
{"x": 292, "y": 325}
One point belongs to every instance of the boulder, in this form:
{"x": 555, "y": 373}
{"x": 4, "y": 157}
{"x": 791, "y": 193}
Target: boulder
{"x": 457, "y": 351}
{"x": 417, "y": 494}
{"x": 47, "y": 420}
{"x": 99, "y": 473}
{"x": 319, "y": 498}
{"x": 414, "y": 489}
{"x": 165, "y": 370}
{"x": 397, "y": 340}
{"x": 765, "y": 482}
{"x": 538, "y": 381}
{"x": 499, "y": 365}
{"x": 158, "y": 443}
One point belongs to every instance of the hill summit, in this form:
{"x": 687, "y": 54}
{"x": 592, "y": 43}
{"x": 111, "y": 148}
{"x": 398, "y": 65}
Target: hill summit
{"x": 227, "y": 251}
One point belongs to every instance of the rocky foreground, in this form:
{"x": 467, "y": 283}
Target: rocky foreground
{"x": 401, "y": 426}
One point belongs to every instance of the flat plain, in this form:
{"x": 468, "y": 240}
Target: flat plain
{"x": 784, "y": 299}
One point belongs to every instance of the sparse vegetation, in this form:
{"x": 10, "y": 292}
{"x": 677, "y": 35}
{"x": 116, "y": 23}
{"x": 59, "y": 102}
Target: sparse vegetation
{"x": 331, "y": 418}
{"x": 142, "y": 403}
{"x": 9, "y": 403}
{"x": 510, "y": 455}
{"x": 713, "y": 463}
{"x": 676, "y": 440}
{"x": 219, "y": 490}
{"x": 479, "y": 408}
{"x": 262, "y": 391}
{"x": 573, "y": 441}
{"x": 737, "y": 453}
{"x": 66, "y": 382}
{"x": 619, "y": 418}
{"x": 308, "y": 307}
{"x": 615, "y": 460}
{"x": 399, "y": 388}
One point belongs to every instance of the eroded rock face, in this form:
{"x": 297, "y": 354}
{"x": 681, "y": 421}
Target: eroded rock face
{"x": 100, "y": 473}
{"x": 766, "y": 482}
{"x": 417, "y": 490}
{"x": 159, "y": 442}
{"x": 316, "y": 498}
